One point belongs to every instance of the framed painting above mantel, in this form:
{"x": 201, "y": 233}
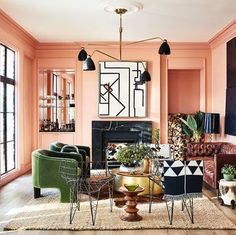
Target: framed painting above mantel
{"x": 121, "y": 94}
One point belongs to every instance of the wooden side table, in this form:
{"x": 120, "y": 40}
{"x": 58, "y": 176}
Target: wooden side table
{"x": 228, "y": 192}
{"x": 131, "y": 214}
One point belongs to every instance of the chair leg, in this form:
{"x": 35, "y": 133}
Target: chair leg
{"x": 189, "y": 208}
{"x": 170, "y": 210}
{"x": 151, "y": 188}
{"x": 73, "y": 200}
{"x": 94, "y": 206}
{"x": 110, "y": 190}
{"x": 37, "y": 192}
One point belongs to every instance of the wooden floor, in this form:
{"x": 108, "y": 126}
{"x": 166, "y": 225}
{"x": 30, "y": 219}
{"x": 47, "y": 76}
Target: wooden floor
{"x": 17, "y": 193}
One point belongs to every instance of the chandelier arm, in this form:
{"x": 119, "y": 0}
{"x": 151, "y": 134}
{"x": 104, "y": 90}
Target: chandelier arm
{"x": 101, "y": 52}
{"x": 144, "y": 40}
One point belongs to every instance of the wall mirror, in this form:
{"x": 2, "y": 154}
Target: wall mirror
{"x": 56, "y": 100}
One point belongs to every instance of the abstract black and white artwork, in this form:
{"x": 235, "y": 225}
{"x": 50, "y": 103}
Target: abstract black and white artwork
{"x": 120, "y": 92}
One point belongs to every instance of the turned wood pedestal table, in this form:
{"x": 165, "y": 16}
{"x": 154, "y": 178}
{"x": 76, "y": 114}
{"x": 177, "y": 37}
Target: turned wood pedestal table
{"x": 131, "y": 203}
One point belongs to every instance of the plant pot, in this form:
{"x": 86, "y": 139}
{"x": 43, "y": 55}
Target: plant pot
{"x": 228, "y": 177}
{"x": 124, "y": 168}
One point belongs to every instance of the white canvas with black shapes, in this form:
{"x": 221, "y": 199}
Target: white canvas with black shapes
{"x": 119, "y": 94}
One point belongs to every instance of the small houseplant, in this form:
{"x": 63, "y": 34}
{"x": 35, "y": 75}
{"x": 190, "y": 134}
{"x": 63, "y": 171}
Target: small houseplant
{"x": 131, "y": 155}
{"x": 193, "y": 126}
{"x": 228, "y": 171}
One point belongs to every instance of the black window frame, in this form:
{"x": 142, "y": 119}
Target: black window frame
{"x": 11, "y": 81}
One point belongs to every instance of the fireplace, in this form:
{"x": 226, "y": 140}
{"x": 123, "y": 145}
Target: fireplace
{"x": 104, "y": 132}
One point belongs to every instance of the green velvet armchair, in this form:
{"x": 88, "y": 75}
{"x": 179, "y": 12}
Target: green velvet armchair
{"x": 57, "y": 146}
{"x": 45, "y": 171}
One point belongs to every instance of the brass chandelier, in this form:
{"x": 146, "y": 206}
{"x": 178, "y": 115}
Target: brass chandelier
{"x": 145, "y": 76}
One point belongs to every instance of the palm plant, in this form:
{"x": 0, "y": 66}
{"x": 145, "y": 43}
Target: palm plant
{"x": 193, "y": 126}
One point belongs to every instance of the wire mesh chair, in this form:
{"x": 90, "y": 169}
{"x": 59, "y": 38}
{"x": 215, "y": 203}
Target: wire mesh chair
{"x": 70, "y": 172}
{"x": 90, "y": 182}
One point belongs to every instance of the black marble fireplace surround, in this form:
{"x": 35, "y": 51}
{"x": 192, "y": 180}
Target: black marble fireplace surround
{"x": 104, "y": 132}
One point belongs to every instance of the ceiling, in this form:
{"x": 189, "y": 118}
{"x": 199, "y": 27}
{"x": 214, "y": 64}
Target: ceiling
{"x": 86, "y": 20}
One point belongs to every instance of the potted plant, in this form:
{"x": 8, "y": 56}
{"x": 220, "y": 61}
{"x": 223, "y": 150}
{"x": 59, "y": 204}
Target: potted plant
{"x": 131, "y": 155}
{"x": 228, "y": 171}
{"x": 193, "y": 126}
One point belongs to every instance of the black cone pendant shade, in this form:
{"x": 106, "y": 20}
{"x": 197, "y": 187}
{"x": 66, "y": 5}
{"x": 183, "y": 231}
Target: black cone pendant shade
{"x": 145, "y": 76}
{"x": 82, "y": 55}
{"x": 164, "y": 48}
{"x": 89, "y": 64}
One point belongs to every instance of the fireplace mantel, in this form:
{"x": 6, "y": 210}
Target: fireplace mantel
{"x": 118, "y": 131}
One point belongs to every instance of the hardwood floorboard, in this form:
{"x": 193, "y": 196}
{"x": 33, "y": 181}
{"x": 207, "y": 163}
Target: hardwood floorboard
{"x": 16, "y": 194}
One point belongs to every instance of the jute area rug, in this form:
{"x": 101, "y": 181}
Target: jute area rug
{"x": 47, "y": 213}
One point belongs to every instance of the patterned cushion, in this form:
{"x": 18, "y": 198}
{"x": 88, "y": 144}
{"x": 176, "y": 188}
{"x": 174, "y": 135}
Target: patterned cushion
{"x": 183, "y": 179}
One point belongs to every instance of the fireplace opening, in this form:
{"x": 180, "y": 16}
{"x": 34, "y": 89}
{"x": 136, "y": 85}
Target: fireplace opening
{"x": 107, "y": 133}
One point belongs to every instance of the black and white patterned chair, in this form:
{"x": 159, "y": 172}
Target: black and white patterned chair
{"x": 182, "y": 181}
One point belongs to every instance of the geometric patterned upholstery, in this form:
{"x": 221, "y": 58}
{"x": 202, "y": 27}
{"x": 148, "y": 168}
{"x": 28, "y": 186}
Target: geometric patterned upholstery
{"x": 183, "y": 179}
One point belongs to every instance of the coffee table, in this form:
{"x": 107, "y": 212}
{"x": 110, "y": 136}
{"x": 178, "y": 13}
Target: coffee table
{"x": 121, "y": 178}
{"x": 131, "y": 214}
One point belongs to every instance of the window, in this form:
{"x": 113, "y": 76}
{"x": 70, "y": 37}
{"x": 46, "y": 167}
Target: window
{"x": 7, "y": 109}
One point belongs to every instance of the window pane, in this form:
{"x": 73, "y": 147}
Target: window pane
{"x": 1, "y": 127}
{"x": 10, "y": 126}
{"x": 1, "y": 97}
{"x": 2, "y": 60}
{"x": 10, "y": 156}
{"x": 10, "y": 98}
{"x": 2, "y": 160}
{"x": 10, "y": 63}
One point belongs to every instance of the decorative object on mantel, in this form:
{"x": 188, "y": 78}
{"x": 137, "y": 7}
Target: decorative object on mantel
{"x": 211, "y": 124}
{"x": 121, "y": 92}
{"x": 129, "y": 7}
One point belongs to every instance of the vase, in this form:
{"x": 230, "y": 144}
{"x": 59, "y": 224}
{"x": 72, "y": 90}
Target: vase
{"x": 127, "y": 168}
{"x": 146, "y": 165}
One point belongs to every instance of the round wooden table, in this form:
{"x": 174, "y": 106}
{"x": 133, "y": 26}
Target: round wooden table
{"x": 131, "y": 210}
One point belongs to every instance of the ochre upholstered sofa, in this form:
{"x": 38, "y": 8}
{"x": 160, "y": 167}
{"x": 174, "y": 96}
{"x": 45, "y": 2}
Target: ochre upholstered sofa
{"x": 215, "y": 155}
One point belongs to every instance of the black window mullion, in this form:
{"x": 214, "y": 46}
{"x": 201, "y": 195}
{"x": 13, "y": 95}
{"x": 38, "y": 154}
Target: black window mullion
{"x": 5, "y": 111}
{"x": 11, "y": 81}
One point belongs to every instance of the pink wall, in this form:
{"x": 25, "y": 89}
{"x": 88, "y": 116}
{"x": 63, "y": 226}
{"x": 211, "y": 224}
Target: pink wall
{"x": 183, "y": 91}
{"x": 218, "y": 44}
{"x": 15, "y": 38}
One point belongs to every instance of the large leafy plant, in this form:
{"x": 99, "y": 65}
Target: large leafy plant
{"x": 132, "y": 154}
{"x": 193, "y": 126}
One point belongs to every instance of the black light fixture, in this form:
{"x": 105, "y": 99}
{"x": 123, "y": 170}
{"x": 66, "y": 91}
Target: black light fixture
{"x": 145, "y": 76}
{"x": 82, "y": 56}
{"x": 89, "y": 64}
{"x": 211, "y": 124}
{"x": 164, "y": 48}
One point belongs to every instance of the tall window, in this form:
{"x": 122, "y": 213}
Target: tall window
{"x": 7, "y": 109}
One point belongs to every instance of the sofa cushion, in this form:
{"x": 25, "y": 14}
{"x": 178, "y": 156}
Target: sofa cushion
{"x": 203, "y": 149}
{"x": 227, "y": 148}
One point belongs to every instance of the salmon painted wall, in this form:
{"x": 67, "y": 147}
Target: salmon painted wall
{"x": 183, "y": 91}
{"x": 219, "y": 76}
{"x": 16, "y": 38}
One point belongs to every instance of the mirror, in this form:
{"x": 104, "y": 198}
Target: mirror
{"x": 56, "y": 100}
